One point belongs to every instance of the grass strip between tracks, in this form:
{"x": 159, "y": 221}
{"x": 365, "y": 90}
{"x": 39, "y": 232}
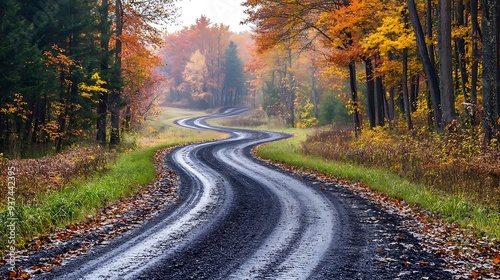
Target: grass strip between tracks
{"x": 481, "y": 218}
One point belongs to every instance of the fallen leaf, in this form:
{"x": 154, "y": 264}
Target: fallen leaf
{"x": 37, "y": 244}
{"x": 496, "y": 260}
{"x": 47, "y": 268}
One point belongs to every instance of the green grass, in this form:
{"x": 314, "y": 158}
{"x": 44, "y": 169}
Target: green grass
{"x": 481, "y": 218}
{"x": 129, "y": 172}
{"x": 75, "y": 202}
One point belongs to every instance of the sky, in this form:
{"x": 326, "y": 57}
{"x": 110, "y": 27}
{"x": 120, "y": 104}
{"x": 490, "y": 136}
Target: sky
{"x": 228, "y": 12}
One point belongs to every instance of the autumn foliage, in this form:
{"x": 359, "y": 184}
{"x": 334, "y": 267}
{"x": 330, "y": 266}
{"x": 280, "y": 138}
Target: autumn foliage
{"x": 76, "y": 70}
{"x": 203, "y": 65}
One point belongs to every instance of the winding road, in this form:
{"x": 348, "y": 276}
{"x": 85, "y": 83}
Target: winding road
{"x": 241, "y": 219}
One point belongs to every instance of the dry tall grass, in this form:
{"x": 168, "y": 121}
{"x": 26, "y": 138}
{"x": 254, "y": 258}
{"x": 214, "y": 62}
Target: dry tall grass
{"x": 454, "y": 163}
{"x": 38, "y": 176}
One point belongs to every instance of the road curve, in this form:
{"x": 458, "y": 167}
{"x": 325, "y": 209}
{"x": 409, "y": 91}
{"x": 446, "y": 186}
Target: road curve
{"x": 238, "y": 219}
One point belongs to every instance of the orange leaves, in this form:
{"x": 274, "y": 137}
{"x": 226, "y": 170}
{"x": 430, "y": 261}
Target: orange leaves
{"x": 18, "y": 274}
{"x": 496, "y": 259}
{"x": 60, "y": 60}
{"x": 17, "y": 108}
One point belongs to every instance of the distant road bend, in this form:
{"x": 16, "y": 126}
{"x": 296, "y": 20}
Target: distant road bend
{"x": 237, "y": 219}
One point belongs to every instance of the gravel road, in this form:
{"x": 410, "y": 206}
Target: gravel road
{"x": 239, "y": 218}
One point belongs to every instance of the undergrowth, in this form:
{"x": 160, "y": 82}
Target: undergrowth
{"x": 50, "y": 173}
{"x": 453, "y": 163}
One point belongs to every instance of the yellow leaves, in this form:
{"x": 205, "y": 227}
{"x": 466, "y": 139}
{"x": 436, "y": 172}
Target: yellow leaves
{"x": 88, "y": 91}
{"x": 392, "y": 35}
{"x": 352, "y": 106}
{"x": 195, "y": 75}
{"x": 16, "y": 108}
{"x": 461, "y": 32}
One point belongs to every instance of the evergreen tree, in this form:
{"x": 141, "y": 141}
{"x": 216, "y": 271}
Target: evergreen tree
{"x": 234, "y": 81}
{"x": 21, "y": 77}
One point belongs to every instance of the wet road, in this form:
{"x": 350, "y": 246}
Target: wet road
{"x": 241, "y": 219}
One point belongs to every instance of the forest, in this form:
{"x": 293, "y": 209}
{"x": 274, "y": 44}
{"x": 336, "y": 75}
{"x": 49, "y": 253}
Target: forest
{"x": 418, "y": 79}
{"x": 394, "y": 56}
{"x": 76, "y": 70}
{"x": 82, "y": 70}
{"x": 204, "y": 66}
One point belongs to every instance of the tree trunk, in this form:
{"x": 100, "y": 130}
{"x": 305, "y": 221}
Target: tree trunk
{"x": 354, "y": 98}
{"x": 115, "y": 126}
{"x": 460, "y": 42}
{"x": 291, "y": 88}
{"x": 497, "y": 38}
{"x": 445, "y": 63}
{"x": 391, "y": 104}
{"x": 429, "y": 32}
{"x": 475, "y": 51}
{"x": 380, "y": 102}
{"x": 490, "y": 68}
{"x": 406, "y": 99}
{"x": 414, "y": 92}
{"x": 128, "y": 118}
{"x": 116, "y": 95}
{"x": 313, "y": 84}
{"x": 370, "y": 87}
{"x": 429, "y": 68}
{"x": 102, "y": 107}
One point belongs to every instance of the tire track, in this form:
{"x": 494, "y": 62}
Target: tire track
{"x": 238, "y": 220}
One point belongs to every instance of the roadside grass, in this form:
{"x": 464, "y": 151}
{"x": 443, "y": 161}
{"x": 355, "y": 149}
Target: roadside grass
{"x": 483, "y": 219}
{"x": 131, "y": 170}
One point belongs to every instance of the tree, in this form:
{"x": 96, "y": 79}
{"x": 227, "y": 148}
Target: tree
{"x": 211, "y": 41}
{"x": 445, "y": 63}
{"x": 102, "y": 108}
{"x": 429, "y": 69}
{"x": 195, "y": 78}
{"x": 234, "y": 80}
{"x": 289, "y": 23}
{"x": 134, "y": 17}
{"x": 490, "y": 28}
{"x": 21, "y": 78}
